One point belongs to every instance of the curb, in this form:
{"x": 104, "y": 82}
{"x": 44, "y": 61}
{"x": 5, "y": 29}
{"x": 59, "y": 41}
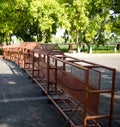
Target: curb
{"x": 93, "y": 55}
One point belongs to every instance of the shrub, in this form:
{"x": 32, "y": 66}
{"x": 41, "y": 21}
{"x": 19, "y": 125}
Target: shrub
{"x": 1, "y": 51}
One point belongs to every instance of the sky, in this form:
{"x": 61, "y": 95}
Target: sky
{"x": 60, "y": 32}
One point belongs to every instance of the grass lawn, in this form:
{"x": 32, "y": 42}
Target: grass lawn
{"x": 95, "y": 49}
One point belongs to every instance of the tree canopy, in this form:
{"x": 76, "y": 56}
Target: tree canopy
{"x": 29, "y": 18}
{"x": 84, "y": 21}
{"x": 90, "y": 20}
{"x": 116, "y": 17}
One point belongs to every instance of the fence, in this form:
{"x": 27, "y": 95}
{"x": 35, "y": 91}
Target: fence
{"x": 76, "y": 87}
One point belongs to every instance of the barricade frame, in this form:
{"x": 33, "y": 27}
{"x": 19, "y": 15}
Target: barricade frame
{"x": 32, "y": 54}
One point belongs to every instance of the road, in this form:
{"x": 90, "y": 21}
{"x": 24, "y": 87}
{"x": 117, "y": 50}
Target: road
{"x": 21, "y": 101}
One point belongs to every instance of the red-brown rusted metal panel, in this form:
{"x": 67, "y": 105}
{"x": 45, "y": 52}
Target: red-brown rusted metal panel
{"x": 74, "y": 83}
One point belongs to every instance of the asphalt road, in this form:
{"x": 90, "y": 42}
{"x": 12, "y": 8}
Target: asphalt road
{"x": 23, "y": 105}
{"x": 110, "y": 60}
{"x": 21, "y": 101}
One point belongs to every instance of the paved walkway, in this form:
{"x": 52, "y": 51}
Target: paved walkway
{"x": 21, "y": 101}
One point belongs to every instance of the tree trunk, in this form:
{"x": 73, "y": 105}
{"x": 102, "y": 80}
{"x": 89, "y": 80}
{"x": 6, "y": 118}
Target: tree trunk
{"x": 47, "y": 39}
{"x": 89, "y": 48}
{"x": 77, "y": 43}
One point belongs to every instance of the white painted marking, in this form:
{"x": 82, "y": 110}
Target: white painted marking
{"x": 23, "y": 99}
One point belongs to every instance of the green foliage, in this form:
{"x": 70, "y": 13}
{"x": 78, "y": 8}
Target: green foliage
{"x": 1, "y": 52}
{"x": 89, "y": 20}
{"x": 29, "y": 18}
{"x": 95, "y": 49}
{"x": 99, "y": 22}
{"x": 84, "y": 21}
{"x": 115, "y": 17}
{"x": 65, "y": 47}
{"x": 5, "y": 25}
{"x": 116, "y": 6}
{"x": 116, "y": 26}
{"x": 48, "y": 17}
{"x": 104, "y": 49}
{"x": 12, "y": 13}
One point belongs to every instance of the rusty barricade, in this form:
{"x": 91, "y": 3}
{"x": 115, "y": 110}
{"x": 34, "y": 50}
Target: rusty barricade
{"x": 10, "y": 52}
{"x": 76, "y": 87}
{"x": 45, "y": 77}
{"x": 80, "y": 88}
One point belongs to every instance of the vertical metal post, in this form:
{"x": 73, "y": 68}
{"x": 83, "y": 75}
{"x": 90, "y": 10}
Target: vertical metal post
{"x": 32, "y": 55}
{"x": 86, "y": 98}
{"x": 48, "y": 73}
{"x": 112, "y": 97}
{"x": 23, "y": 58}
{"x": 55, "y": 75}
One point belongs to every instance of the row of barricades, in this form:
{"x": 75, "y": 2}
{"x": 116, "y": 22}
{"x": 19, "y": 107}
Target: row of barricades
{"x": 82, "y": 91}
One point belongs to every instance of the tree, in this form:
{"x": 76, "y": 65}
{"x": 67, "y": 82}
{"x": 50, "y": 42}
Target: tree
{"x": 77, "y": 16}
{"x": 13, "y": 15}
{"x": 5, "y": 24}
{"x": 116, "y": 6}
{"x": 49, "y": 15}
{"x": 99, "y": 22}
{"x": 89, "y": 20}
{"x": 29, "y": 18}
{"x": 22, "y": 21}
{"x": 115, "y": 16}
{"x": 83, "y": 20}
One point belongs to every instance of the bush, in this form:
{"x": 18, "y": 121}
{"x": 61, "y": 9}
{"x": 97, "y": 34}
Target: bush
{"x": 1, "y": 51}
{"x": 95, "y": 49}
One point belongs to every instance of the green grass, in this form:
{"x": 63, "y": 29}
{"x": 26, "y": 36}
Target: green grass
{"x": 95, "y": 49}
{"x": 105, "y": 49}
{"x": 64, "y": 48}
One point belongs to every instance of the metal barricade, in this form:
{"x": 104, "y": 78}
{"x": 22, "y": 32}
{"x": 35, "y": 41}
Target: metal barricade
{"x": 76, "y": 87}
